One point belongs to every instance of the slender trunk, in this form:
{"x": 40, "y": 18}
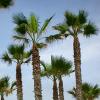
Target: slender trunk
{"x": 77, "y": 63}
{"x": 36, "y": 73}
{"x": 55, "y": 90}
{"x": 19, "y": 82}
{"x": 2, "y": 97}
{"x": 61, "y": 92}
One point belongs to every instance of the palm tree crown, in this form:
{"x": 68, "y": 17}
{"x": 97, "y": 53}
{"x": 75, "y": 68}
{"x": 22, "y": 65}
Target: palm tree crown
{"x": 16, "y": 54}
{"x": 59, "y": 66}
{"x": 29, "y": 30}
{"x": 5, "y": 87}
{"x": 89, "y": 91}
{"x": 74, "y": 25}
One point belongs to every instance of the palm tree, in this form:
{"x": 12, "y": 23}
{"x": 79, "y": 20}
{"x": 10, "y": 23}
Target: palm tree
{"x": 73, "y": 26}
{"x": 29, "y": 31}
{"x": 90, "y": 92}
{"x": 18, "y": 55}
{"x": 58, "y": 68}
{"x": 5, "y": 87}
{"x": 6, "y": 3}
{"x": 49, "y": 73}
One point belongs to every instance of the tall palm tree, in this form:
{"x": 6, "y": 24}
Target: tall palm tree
{"x": 29, "y": 31}
{"x": 90, "y": 92}
{"x": 18, "y": 55}
{"x": 58, "y": 68}
{"x": 6, "y": 87}
{"x": 73, "y": 26}
{"x": 6, "y": 3}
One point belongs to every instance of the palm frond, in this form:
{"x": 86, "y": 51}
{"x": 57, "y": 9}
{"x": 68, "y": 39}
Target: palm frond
{"x": 70, "y": 18}
{"x": 6, "y": 58}
{"x": 72, "y": 92}
{"x": 21, "y": 29}
{"x": 13, "y": 49}
{"x": 33, "y": 24}
{"x": 52, "y": 38}
{"x": 16, "y": 51}
{"x": 6, "y": 3}
{"x": 13, "y": 85}
{"x": 19, "y": 19}
{"x": 21, "y": 38}
{"x": 27, "y": 54}
{"x": 45, "y": 25}
{"x": 82, "y": 17}
{"x": 90, "y": 29}
{"x": 61, "y": 27}
{"x": 43, "y": 64}
{"x": 41, "y": 45}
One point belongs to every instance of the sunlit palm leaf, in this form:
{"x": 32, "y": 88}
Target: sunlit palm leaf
{"x": 45, "y": 25}
{"x": 33, "y": 24}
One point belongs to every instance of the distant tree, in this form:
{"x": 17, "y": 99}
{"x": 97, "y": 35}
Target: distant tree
{"x": 6, "y": 87}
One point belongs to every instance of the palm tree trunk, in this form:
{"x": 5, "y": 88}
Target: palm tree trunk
{"x": 55, "y": 90}
{"x": 90, "y": 98}
{"x": 2, "y": 97}
{"x": 77, "y": 63}
{"x": 19, "y": 82}
{"x": 36, "y": 73}
{"x": 61, "y": 92}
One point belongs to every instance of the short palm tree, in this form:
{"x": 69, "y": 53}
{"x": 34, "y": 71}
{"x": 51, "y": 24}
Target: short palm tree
{"x": 5, "y": 87}
{"x": 49, "y": 73}
{"x": 18, "y": 55}
{"x": 29, "y": 31}
{"x": 58, "y": 68}
{"x": 89, "y": 92}
{"x": 6, "y": 3}
{"x": 73, "y": 26}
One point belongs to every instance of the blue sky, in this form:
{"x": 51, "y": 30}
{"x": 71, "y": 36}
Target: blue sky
{"x": 44, "y": 9}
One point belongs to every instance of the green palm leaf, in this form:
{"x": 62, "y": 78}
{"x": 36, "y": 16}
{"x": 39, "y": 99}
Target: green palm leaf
{"x": 33, "y": 24}
{"x": 6, "y": 58}
{"x": 45, "y": 25}
{"x": 90, "y": 29}
{"x": 21, "y": 38}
